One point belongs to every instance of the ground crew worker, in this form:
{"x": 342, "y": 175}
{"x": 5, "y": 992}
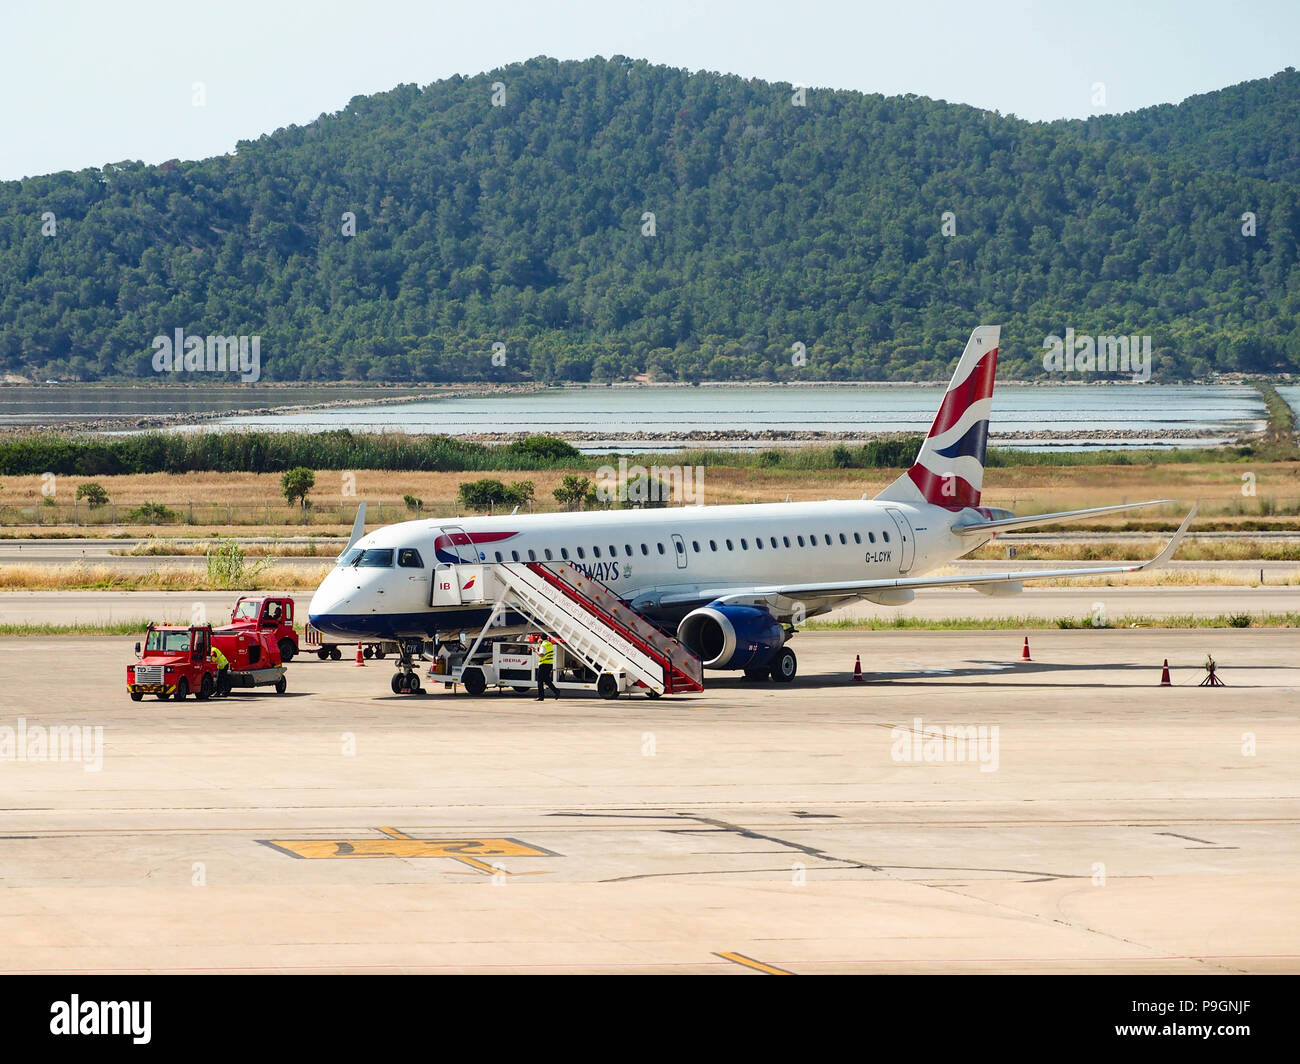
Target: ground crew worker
{"x": 223, "y": 671}
{"x": 546, "y": 669}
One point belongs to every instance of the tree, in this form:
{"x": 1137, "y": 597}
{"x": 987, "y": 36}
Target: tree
{"x": 485, "y": 494}
{"x": 574, "y": 492}
{"x": 296, "y": 483}
{"x": 94, "y": 493}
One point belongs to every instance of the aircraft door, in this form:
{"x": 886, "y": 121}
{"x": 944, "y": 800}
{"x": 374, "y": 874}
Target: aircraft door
{"x": 455, "y": 546}
{"x": 679, "y": 549}
{"x": 907, "y": 545}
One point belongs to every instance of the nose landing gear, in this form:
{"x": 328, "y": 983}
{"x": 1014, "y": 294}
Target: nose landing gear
{"x": 406, "y": 680}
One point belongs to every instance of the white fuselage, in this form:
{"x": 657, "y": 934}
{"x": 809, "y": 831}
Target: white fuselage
{"x": 685, "y": 554}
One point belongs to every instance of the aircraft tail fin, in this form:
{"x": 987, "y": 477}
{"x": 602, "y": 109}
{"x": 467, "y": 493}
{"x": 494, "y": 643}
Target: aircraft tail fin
{"x": 949, "y": 468}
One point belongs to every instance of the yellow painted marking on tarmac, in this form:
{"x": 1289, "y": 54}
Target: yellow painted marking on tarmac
{"x": 749, "y": 962}
{"x": 400, "y": 845}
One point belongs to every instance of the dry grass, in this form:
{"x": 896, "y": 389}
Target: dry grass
{"x": 164, "y": 578}
{"x": 1215, "y": 486}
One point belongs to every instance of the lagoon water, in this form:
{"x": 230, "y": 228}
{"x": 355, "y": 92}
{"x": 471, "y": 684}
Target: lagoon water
{"x": 1151, "y": 409}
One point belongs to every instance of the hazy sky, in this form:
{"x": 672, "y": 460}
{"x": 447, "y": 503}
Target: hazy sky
{"x": 85, "y": 84}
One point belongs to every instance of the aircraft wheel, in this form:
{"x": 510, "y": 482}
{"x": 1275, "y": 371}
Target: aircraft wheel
{"x": 397, "y": 683}
{"x": 785, "y": 666}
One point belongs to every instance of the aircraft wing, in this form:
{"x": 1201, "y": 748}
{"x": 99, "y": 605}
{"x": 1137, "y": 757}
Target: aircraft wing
{"x": 1007, "y": 524}
{"x": 847, "y": 589}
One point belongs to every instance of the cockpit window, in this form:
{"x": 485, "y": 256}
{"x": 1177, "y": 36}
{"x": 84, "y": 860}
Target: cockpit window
{"x": 408, "y": 558}
{"x": 377, "y": 558}
{"x": 350, "y": 558}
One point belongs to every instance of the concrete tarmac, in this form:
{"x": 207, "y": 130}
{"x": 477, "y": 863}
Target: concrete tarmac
{"x": 100, "y": 607}
{"x": 1097, "y": 823}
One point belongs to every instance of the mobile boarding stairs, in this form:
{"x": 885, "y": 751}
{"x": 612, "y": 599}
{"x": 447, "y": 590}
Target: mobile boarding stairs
{"x": 608, "y": 645}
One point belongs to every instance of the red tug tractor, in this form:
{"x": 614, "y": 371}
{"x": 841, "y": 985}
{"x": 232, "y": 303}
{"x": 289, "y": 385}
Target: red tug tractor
{"x": 269, "y": 613}
{"x": 177, "y": 661}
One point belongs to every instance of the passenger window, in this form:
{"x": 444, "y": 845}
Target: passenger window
{"x": 595, "y": 552}
{"x": 564, "y": 553}
{"x": 581, "y": 553}
{"x": 681, "y": 547}
{"x": 885, "y": 536}
{"x": 695, "y": 545}
{"x": 743, "y": 544}
{"x": 758, "y": 542}
{"x": 857, "y": 537}
{"x": 613, "y": 551}
{"x": 843, "y": 538}
{"x": 514, "y": 555}
{"x": 773, "y": 542}
{"x": 800, "y": 538}
{"x": 713, "y": 544}
{"x": 499, "y": 558}
{"x": 548, "y": 553}
{"x": 645, "y": 549}
{"x": 871, "y": 536}
{"x": 660, "y": 546}
{"x": 627, "y": 549}
{"x": 786, "y": 540}
{"x": 729, "y": 546}
{"x": 409, "y": 559}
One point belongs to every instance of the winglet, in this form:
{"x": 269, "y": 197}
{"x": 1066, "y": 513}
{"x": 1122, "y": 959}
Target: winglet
{"x": 1170, "y": 547}
{"x": 358, "y": 529}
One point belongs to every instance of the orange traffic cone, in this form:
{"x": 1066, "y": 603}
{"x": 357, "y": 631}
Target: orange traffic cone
{"x": 360, "y": 660}
{"x": 1024, "y": 654}
{"x": 1164, "y": 675}
{"x": 857, "y": 668}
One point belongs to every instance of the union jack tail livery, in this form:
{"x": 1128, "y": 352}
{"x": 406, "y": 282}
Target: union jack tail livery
{"x": 949, "y": 468}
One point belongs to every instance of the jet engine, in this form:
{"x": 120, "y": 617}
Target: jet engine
{"x": 731, "y": 637}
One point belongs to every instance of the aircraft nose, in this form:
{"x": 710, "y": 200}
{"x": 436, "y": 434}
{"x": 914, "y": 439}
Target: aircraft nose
{"x": 328, "y": 603}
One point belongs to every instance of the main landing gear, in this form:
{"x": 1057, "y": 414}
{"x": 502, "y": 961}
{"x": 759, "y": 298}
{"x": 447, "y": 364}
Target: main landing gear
{"x": 782, "y": 668}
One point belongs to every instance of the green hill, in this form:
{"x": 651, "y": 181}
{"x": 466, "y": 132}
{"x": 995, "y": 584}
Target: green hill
{"x": 775, "y": 225}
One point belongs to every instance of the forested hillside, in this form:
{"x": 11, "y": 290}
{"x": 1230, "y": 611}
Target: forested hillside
{"x": 774, "y": 225}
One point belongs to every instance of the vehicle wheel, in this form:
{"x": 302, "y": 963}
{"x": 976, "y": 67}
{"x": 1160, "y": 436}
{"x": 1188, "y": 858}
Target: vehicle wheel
{"x": 323, "y": 653}
{"x": 607, "y": 686}
{"x": 136, "y": 696}
{"x": 281, "y": 685}
{"x": 206, "y": 687}
{"x": 650, "y": 692}
{"x": 758, "y": 674}
{"x": 380, "y": 654}
{"x": 396, "y": 683}
{"x": 182, "y": 690}
{"x": 474, "y": 681}
{"x": 162, "y": 696}
{"x": 335, "y": 653}
{"x": 785, "y": 666}
{"x": 367, "y": 652}
{"x": 287, "y": 650}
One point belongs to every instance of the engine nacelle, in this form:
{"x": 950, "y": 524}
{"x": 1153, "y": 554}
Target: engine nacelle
{"x": 732, "y": 637}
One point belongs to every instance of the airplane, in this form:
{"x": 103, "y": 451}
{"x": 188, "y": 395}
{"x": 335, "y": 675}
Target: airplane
{"x": 734, "y": 580}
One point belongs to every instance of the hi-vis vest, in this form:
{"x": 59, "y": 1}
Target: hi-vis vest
{"x": 219, "y": 658}
{"x": 547, "y": 656}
